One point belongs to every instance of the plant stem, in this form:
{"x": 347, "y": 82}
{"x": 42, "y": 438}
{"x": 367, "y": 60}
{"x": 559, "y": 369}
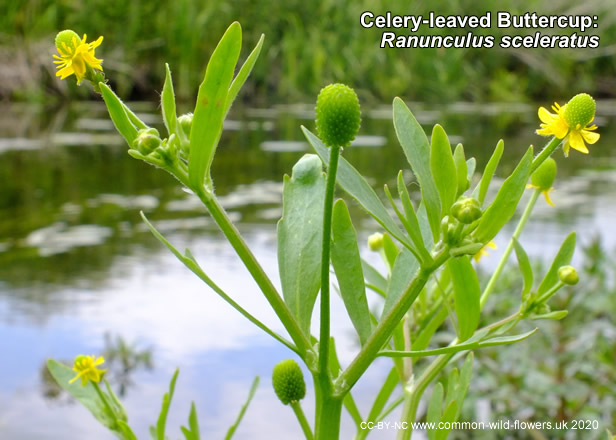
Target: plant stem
{"x": 105, "y": 402}
{"x": 545, "y": 153}
{"x": 301, "y": 418}
{"x": 334, "y": 155}
{"x": 328, "y": 411}
{"x": 256, "y": 271}
{"x": 516, "y": 234}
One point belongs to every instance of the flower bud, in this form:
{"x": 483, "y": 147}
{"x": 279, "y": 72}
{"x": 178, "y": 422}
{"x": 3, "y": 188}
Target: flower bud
{"x": 568, "y": 275}
{"x": 147, "y": 140}
{"x": 338, "y": 115}
{"x": 185, "y": 121}
{"x": 375, "y": 242}
{"x": 543, "y": 177}
{"x": 288, "y": 381}
{"x": 579, "y": 111}
{"x": 466, "y": 210}
{"x": 68, "y": 38}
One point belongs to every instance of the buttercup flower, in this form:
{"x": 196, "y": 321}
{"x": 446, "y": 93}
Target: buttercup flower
{"x": 76, "y": 55}
{"x": 571, "y": 122}
{"x": 483, "y": 251}
{"x": 85, "y": 367}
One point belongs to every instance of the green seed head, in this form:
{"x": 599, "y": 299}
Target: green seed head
{"x": 288, "y": 381}
{"x": 580, "y": 111}
{"x": 185, "y": 122}
{"x": 66, "y": 37}
{"x": 338, "y": 115}
{"x": 375, "y": 242}
{"x": 466, "y": 210}
{"x": 544, "y": 177}
{"x": 568, "y": 275}
{"x": 147, "y": 140}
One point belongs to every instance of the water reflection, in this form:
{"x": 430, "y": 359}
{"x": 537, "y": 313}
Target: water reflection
{"x": 76, "y": 260}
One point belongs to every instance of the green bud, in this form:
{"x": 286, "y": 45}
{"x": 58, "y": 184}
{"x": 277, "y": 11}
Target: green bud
{"x": 147, "y": 140}
{"x": 568, "y": 275}
{"x": 544, "y": 177}
{"x": 288, "y": 381}
{"x": 185, "y": 121}
{"x": 466, "y": 210}
{"x": 338, "y": 115}
{"x": 67, "y": 37}
{"x": 375, "y": 242}
{"x": 579, "y": 111}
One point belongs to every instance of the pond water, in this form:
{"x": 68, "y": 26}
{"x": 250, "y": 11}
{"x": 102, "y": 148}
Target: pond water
{"x": 77, "y": 263}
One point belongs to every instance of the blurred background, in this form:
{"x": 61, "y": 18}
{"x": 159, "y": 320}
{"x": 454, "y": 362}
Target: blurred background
{"x": 80, "y": 273}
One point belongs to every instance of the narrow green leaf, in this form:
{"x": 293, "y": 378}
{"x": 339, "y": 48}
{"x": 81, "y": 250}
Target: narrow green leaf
{"x": 402, "y": 218}
{"x": 243, "y": 74}
{"x": 415, "y": 146}
{"x": 383, "y": 396}
{"x": 554, "y": 316}
{"x": 423, "y": 339}
{"x": 390, "y": 249}
{"x": 563, "y": 258}
{"x": 162, "y": 418}
{"x": 354, "y": 183}
{"x": 443, "y": 168}
{"x": 210, "y": 109}
{"x": 464, "y": 380}
{"x": 503, "y": 207}
{"x": 240, "y": 416}
{"x": 489, "y": 170}
{"x": 374, "y": 277}
{"x": 167, "y": 98}
{"x": 403, "y": 272}
{"x": 506, "y": 340}
{"x": 192, "y": 432}
{"x": 424, "y": 226}
{"x": 300, "y": 238}
{"x": 471, "y": 164}
{"x": 118, "y": 115}
{"x": 467, "y": 292}
{"x": 126, "y": 431}
{"x": 435, "y": 408}
{"x": 461, "y": 170}
{"x": 347, "y": 265}
{"x": 411, "y": 217}
{"x": 448, "y": 418}
{"x": 525, "y": 267}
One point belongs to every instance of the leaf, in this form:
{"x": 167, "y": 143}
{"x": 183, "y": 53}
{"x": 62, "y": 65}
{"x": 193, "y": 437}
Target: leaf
{"x": 506, "y": 340}
{"x": 162, "y": 418}
{"x": 489, "y": 170}
{"x": 464, "y": 381}
{"x": 414, "y": 229}
{"x": 554, "y": 316}
{"x": 300, "y": 232}
{"x": 167, "y": 98}
{"x": 354, "y": 183}
{"x": 86, "y": 395}
{"x": 243, "y": 74}
{"x": 240, "y": 416}
{"x": 461, "y": 170}
{"x": 563, "y": 258}
{"x": 414, "y": 143}
{"x": 118, "y": 115}
{"x": 210, "y": 109}
{"x": 503, "y": 207}
{"x": 383, "y": 396}
{"x": 525, "y": 267}
{"x": 390, "y": 249}
{"x": 192, "y": 432}
{"x": 471, "y": 164}
{"x": 403, "y": 272}
{"x": 443, "y": 168}
{"x": 435, "y": 408}
{"x": 447, "y": 419}
{"x": 347, "y": 265}
{"x": 373, "y": 277}
{"x": 403, "y": 220}
{"x": 466, "y": 291}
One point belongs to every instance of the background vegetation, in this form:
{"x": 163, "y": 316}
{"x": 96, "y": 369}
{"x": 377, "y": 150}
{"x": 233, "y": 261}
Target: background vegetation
{"x": 308, "y": 44}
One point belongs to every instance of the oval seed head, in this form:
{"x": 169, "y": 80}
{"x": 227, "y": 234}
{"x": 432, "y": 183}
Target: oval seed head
{"x": 466, "y": 210}
{"x": 543, "y": 177}
{"x": 579, "y": 111}
{"x": 338, "y": 115}
{"x": 568, "y": 275}
{"x": 68, "y": 37}
{"x": 185, "y": 122}
{"x": 375, "y": 242}
{"x": 288, "y": 381}
{"x": 147, "y": 140}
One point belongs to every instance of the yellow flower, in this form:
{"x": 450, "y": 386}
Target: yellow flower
{"x": 76, "y": 55}
{"x": 571, "y": 122}
{"x": 85, "y": 367}
{"x": 483, "y": 252}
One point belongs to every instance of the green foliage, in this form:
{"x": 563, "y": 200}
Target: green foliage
{"x": 466, "y": 291}
{"x": 240, "y": 416}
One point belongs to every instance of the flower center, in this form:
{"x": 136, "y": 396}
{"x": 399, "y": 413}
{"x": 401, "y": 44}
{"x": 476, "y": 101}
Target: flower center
{"x": 579, "y": 111}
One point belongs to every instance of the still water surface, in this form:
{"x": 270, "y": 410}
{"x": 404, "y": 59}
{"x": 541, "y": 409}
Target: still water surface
{"x": 77, "y": 263}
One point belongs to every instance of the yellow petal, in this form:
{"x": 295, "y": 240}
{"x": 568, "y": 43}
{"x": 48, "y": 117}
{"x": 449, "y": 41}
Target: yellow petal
{"x": 546, "y": 194}
{"x": 577, "y": 142}
{"x": 590, "y": 137}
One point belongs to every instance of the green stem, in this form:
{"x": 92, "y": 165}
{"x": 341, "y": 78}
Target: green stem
{"x": 387, "y": 325}
{"x": 301, "y": 418}
{"x": 101, "y": 395}
{"x": 328, "y": 412}
{"x": 545, "y": 153}
{"x": 265, "y": 284}
{"x": 516, "y": 234}
{"x": 547, "y": 295}
{"x": 334, "y": 155}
